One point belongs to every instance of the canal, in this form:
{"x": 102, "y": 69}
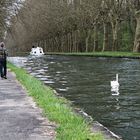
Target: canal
{"x": 86, "y": 82}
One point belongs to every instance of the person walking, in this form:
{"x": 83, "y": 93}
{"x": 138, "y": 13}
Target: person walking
{"x": 3, "y": 61}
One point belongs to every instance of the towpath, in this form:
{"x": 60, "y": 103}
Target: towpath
{"x": 20, "y": 119}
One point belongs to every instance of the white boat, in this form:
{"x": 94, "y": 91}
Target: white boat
{"x": 38, "y": 51}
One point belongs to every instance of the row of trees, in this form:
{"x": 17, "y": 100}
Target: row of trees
{"x": 76, "y": 25}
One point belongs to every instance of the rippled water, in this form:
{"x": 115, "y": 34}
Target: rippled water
{"x": 86, "y": 82}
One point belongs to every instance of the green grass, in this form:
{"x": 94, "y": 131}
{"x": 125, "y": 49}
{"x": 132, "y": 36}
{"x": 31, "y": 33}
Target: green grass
{"x": 103, "y": 54}
{"x": 70, "y": 125}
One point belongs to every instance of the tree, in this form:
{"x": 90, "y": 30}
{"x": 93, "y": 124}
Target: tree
{"x": 8, "y": 8}
{"x": 136, "y": 7}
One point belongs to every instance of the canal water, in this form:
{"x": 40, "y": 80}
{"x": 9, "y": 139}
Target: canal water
{"x": 86, "y": 82}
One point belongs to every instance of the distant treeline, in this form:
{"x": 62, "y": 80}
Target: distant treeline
{"x": 76, "y": 26}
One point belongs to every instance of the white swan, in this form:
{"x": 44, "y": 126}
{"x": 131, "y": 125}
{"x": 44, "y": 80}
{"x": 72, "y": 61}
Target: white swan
{"x": 115, "y": 83}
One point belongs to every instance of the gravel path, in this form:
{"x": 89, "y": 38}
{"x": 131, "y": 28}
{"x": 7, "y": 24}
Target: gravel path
{"x": 20, "y": 119}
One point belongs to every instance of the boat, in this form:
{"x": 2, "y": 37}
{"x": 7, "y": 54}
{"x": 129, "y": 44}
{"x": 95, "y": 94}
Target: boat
{"x": 38, "y": 51}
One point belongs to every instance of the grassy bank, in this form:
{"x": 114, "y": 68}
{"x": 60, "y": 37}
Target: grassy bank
{"x": 70, "y": 126}
{"x": 103, "y": 54}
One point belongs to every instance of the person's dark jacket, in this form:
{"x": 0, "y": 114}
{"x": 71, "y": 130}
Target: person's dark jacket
{"x": 3, "y": 54}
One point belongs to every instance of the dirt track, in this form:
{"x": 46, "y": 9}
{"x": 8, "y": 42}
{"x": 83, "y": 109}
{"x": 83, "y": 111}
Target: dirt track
{"x": 20, "y": 119}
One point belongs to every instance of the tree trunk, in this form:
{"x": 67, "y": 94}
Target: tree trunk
{"x": 87, "y": 39}
{"x": 57, "y": 44}
{"x": 105, "y": 39}
{"x": 74, "y": 40}
{"x": 45, "y": 46}
{"x": 62, "y": 43}
{"x": 70, "y": 41}
{"x": 115, "y": 36}
{"x": 95, "y": 48}
{"x": 68, "y": 44}
{"x": 136, "y": 47}
{"x": 78, "y": 40}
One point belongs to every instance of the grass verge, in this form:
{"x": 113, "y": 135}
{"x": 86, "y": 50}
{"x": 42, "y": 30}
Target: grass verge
{"x": 103, "y": 54}
{"x": 71, "y": 126}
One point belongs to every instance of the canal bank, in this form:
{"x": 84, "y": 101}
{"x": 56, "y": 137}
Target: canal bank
{"x": 97, "y": 128}
{"x": 100, "y": 54}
